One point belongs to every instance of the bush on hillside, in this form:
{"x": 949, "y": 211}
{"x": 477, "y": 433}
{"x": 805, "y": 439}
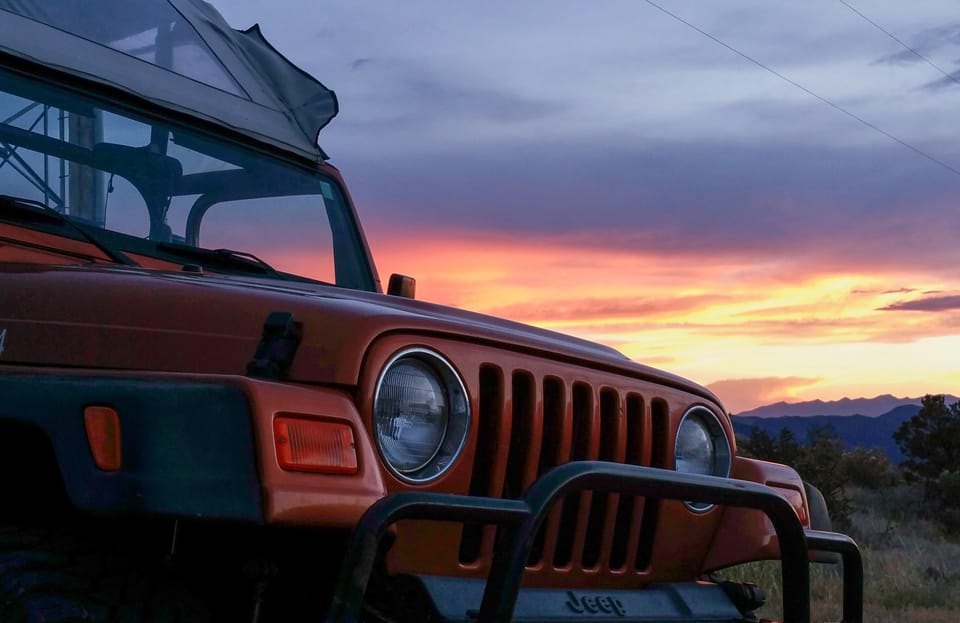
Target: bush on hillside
{"x": 869, "y": 468}
{"x": 942, "y": 500}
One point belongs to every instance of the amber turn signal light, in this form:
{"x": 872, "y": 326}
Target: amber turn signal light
{"x": 103, "y": 435}
{"x": 315, "y": 445}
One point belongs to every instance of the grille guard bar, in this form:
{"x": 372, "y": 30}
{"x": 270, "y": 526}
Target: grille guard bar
{"x": 518, "y": 521}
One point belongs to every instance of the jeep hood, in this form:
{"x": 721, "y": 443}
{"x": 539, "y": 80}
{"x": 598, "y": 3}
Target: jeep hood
{"x": 142, "y": 319}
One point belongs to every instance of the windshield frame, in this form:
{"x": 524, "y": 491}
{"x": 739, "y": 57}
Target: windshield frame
{"x": 354, "y": 249}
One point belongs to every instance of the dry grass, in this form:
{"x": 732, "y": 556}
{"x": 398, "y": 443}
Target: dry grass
{"x": 911, "y": 569}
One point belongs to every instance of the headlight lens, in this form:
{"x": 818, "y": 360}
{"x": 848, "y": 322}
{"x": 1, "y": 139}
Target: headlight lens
{"x": 702, "y": 447}
{"x": 420, "y": 415}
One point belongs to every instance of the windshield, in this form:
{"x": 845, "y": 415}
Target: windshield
{"x": 160, "y": 193}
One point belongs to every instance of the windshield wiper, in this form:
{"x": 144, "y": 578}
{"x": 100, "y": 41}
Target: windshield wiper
{"x": 27, "y": 210}
{"x": 223, "y": 258}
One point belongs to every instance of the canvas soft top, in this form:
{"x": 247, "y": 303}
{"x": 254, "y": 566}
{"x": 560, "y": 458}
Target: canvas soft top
{"x": 179, "y": 54}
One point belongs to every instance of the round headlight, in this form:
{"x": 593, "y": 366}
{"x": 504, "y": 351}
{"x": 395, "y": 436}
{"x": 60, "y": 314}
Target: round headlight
{"x": 420, "y": 415}
{"x": 702, "y": 447}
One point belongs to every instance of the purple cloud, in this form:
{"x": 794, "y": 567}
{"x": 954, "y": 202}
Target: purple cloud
{"x": 929, "y": 304}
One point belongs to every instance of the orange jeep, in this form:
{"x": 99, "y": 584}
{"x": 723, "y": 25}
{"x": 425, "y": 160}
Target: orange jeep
{"x": 209, "y": 410}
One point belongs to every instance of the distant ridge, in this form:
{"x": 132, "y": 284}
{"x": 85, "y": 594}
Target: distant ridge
{"x": 857, "y": 421}
{"x": 870, "y": 407}
{"x": 854, "y": 430}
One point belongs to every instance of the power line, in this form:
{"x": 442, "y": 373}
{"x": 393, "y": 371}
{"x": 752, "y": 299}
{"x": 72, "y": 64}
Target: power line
{"x": 902, "y": 44}
{"x": 822, "y": 99}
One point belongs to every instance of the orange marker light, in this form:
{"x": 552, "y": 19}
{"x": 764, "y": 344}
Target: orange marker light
{"x": 315, "y": 446}
{"x": 103, "y": 435}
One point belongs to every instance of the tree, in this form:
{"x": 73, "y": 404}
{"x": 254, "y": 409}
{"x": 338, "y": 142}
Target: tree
{"x": 759, "y": 445}
{"x": 931, "y": 442}
{"x": 931, "y": 439}
{"x": 783, "y": 448}
{"x": 819, "y": 462}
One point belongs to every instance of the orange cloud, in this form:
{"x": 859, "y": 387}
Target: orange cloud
{"x": 743, "y": 394}
{"x": 605, "y": 309}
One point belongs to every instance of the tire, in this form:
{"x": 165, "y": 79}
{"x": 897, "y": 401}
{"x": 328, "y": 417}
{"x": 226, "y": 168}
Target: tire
{"x": 58, "y": 576}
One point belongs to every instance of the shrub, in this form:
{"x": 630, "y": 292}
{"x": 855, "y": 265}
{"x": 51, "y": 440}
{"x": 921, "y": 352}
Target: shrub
{"x": 869, "y": 468}
{"x": 943, "y": 499}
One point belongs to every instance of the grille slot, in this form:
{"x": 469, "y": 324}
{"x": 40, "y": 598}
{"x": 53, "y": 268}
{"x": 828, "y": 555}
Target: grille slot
{"x": 554, "y": 449}
{"x": 574, "y": 505}
{"x": 524, "y": 446}
{"x": 660, "y": 432}
{"x": 546, "y": 421}
{"x": 603, "y": 504}
{"x": 490, "y": 406}
{"x": 554, "y": 412}
{"x": 626, "y": 533}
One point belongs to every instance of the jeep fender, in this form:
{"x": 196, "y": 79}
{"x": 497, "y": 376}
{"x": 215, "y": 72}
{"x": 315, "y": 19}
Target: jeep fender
{"x": 188, "y": 447}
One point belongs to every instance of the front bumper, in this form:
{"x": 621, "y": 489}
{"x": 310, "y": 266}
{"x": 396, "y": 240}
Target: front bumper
{"x": 519, "y": 520}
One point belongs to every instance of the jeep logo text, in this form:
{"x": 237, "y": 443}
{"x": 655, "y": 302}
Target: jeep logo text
{"x": 595, "y": 605}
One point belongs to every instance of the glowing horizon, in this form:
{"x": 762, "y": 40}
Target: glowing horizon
{"x": 739, "y": 327}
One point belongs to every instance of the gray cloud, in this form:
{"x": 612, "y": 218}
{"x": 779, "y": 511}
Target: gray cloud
{"x": 802, "y": 204}
{"x": 406, "y": 107}
{"x": 924, "y": 46}
{"x": 950, "y": 80}
{"x": 926, "y": 42}
{"x": 433, "y": 96}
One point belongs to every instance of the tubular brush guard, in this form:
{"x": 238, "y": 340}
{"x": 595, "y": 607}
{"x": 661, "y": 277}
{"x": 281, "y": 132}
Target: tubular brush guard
{"x": 518, "y": 521}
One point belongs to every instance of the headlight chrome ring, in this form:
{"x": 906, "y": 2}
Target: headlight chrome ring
{"x": 702, "y": 447}
{"x": 421, "y": 415}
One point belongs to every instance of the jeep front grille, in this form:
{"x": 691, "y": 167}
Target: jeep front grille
{"x": 545, "y": 421}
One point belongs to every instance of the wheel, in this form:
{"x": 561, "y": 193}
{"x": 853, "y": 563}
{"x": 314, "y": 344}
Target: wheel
{"x": 63, "y": 576}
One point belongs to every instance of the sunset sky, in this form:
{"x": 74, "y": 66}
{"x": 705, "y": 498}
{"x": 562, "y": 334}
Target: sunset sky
{"x": 605, "y": 170}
